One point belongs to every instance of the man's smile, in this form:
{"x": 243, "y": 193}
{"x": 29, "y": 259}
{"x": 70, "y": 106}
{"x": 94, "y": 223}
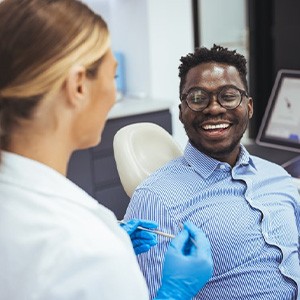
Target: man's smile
{"x": 215, "y": 126}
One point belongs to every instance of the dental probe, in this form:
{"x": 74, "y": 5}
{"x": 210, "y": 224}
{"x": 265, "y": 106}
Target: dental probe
{"x": 168, "y": 235}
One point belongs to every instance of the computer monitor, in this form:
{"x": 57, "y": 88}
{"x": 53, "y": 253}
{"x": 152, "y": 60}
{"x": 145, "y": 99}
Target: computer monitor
{"x": 280, "y": 126}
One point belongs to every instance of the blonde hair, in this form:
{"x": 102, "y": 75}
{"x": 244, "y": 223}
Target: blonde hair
{"x": 40, "y": 41}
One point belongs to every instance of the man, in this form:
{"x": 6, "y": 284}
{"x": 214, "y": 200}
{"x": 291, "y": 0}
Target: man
{"x": 247, "y": 206}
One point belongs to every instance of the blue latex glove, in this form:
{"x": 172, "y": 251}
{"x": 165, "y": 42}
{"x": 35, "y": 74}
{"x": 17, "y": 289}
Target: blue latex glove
{"x": 141, "y": 240}
{"x": 186, "y": 268}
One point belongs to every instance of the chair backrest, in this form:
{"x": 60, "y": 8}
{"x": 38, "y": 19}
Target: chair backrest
{"x": 139, "y": 150}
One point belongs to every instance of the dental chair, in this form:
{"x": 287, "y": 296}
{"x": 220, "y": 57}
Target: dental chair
{"x": 139, "y": 150}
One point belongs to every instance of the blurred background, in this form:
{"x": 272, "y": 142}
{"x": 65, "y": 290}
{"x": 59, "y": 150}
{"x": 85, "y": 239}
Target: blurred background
{"x": 152, "y": 35}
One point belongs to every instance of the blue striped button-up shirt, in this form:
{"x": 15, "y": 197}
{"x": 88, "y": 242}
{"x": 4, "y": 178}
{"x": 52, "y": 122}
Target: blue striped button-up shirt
{"x": 250, "y": 213}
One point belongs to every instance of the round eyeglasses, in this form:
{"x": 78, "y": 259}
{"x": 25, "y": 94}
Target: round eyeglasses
{"x": 228, "y": 97}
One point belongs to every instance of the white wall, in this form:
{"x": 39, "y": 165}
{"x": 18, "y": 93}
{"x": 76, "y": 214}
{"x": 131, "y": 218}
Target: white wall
{"x": 224, "y": 22}
{"x": 153, "y": 35}
{"x": 170, "y": 37}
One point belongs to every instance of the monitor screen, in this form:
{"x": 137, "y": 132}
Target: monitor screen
{"x": 280, "y": 126}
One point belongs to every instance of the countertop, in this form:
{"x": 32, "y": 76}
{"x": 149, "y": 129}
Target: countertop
{"x": 131, "y": 106}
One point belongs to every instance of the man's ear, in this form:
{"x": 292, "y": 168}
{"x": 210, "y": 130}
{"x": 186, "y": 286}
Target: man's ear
{"x": 250, "y": 108}
{"x": 180, "y": 113}
{"x": 76, "y": 85}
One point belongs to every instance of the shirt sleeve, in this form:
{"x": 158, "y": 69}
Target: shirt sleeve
{"x": 297, "y": 214}
{"x": 295, "y": 195}
{"x": 146, "y": 204}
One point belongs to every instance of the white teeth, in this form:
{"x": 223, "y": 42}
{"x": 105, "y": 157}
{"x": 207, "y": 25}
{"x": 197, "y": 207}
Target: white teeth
{"x": 217, "y": 126}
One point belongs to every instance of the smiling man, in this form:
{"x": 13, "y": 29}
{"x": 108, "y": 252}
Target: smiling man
{"x": 247, "y": 206}
{"x": 215, "y": 109}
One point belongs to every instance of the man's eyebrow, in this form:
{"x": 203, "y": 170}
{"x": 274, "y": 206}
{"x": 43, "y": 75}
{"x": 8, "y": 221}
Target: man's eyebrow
{"x": 195, "y": 88}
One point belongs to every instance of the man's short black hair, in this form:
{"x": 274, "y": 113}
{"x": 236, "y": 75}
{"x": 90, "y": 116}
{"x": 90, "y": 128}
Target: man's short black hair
{"x": 215, "y": 54}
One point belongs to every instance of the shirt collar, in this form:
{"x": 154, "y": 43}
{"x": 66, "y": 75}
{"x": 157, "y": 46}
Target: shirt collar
{"x": 245, "y": 158}
{"x": 205, "y": 165}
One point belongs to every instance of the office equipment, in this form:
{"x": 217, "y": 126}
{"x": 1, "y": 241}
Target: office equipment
{"x": 280, "y": 127}
{"x": 278, "y": 139}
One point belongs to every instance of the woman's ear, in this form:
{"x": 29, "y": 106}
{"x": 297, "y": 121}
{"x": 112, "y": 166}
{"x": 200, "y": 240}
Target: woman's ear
{"x": 76, "y": 85}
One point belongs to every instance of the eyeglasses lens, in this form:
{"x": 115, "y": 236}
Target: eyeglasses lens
{"x": 229, "y": 98}
{"x": 198, "y": 99}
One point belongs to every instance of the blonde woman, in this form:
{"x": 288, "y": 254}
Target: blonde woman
{"x": 56, "y": 242}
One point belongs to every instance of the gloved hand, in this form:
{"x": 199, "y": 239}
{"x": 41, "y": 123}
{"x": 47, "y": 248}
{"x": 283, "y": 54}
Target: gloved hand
{"x": 141, "y": 240}
{"x": 186, "y": 268}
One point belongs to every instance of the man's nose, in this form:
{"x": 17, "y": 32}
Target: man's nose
{"x": 214, "y": 107}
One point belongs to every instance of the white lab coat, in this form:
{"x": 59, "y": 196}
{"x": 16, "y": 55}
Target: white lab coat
{"x": 56, "y": 242}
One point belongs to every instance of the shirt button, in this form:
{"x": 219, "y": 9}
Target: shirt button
{"x": 222, "y": 167}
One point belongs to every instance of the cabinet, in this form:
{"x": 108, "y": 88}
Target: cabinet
{"x": 94, "y": 169}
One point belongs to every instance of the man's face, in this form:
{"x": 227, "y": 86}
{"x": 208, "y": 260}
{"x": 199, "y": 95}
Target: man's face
{"x": 216, "y": 131}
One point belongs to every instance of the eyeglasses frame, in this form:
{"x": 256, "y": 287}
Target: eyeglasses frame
{"x": 210, "y": 94}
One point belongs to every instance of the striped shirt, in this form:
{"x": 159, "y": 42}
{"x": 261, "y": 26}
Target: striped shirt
{"x": 250, "y": 213}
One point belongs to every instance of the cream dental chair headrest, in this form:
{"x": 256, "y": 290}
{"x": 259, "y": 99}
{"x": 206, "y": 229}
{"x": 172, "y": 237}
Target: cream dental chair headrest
{"x": 139, "y": 150}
